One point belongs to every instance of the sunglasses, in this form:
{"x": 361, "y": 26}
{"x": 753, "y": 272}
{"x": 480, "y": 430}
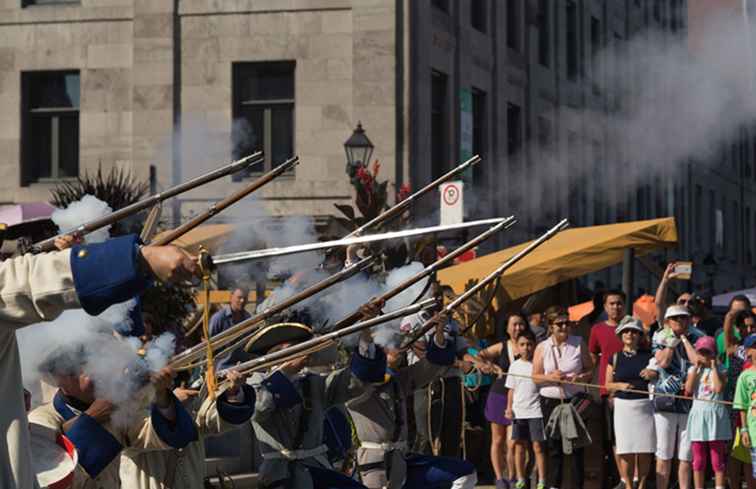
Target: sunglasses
{"x": 561, "y": 324}
{"x": 684, "y": 302}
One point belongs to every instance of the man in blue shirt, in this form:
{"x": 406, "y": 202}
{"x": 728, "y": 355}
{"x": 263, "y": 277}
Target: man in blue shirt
{"x": 227, "y": 317}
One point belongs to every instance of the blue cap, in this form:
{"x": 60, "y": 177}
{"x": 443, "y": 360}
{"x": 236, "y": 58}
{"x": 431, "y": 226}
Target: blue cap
{"x": 750, "y": 341}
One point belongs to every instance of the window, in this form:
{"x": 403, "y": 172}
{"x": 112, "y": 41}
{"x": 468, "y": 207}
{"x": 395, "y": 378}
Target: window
{"x": 442, "y": 5}
{"x": 572, "y": 41}
{"x": 513, "y": 24}
{"x": 514, "y": 145}
{"x": 595, "y": 46}
{"x": 479, "y": 15}
{"x": 697, "y": 203}
{"x": 514, "y": 129}
{"x": 264, "y": 110}
{"x": 544, "y": 34}
{"x": 439, "y": 110}
{"x": 479, "y": 129}
{"x": 599, "y": 199}
{"x": 27, "y": 3}
{"x": 674, "y": 16}
{"x": 50, "y": 101}
{"x": 747, "y": 230}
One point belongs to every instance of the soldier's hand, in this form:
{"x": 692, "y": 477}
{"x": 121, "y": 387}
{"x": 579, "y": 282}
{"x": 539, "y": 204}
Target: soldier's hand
{"x": 66, "y": 241}
{"x": 169, "y": 264}
{"x": 100, "y": 410}
{"x": 371, "y": 309}
{"x": 183, "y": 394}
{"x": 292, "y": 367}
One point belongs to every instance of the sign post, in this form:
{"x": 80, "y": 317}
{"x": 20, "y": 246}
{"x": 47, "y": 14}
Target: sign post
{"x": 452, "y": 202}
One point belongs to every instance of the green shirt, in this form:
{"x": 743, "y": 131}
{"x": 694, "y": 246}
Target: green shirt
{"x": 745, "y": 399}
{"x": 723, "y": 358}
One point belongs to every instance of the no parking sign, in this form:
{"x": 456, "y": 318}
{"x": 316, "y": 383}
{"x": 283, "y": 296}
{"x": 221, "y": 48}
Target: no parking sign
{"x": 452, "y": 202}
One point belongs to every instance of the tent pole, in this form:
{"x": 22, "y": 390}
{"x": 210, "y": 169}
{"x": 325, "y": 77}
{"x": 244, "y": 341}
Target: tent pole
{"x": 628, "y": 275}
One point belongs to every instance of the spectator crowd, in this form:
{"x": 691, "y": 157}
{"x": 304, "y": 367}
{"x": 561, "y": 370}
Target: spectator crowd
{"x": 676, "y": 399}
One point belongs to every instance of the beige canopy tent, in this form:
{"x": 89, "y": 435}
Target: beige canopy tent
{"x": 572, "y": 253}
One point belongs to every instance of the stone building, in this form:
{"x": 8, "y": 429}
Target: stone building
{"x": 185, "y": 85}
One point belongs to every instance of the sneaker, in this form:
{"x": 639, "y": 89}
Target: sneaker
{"x": 502, "y": 484}
{"x": 541, "y": 485}
{"x": 520, "y": 485}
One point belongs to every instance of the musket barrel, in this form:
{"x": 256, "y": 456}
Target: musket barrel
{"x": 504, "y": 224}
{"x": 295, "y": 350}
{"x": 227, "y": 202}
{"x": 115, "y": 216}
{"x": 243, "y": 328}
{"x": 493, "y": 276}
{"x": 288, "y": 250}
{"x": 400, "y": 206}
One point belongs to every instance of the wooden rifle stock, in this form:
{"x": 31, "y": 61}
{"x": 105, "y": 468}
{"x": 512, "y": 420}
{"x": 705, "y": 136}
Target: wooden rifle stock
{"x": 227, "y": 202}
{"x": 115, "y": 216}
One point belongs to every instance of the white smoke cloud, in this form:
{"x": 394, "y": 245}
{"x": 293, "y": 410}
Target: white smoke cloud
{"x": 80, "y": 212}
{"x": 112, "y": 362}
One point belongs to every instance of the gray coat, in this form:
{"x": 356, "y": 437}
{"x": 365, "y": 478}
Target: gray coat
{"x": 375, "y": 418}
{"x": 280, "y": 421}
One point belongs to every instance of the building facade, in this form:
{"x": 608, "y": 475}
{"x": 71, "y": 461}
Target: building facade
{"x": 186, "y": 85}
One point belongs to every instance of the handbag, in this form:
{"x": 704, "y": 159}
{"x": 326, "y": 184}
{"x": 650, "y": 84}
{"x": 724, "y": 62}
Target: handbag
{"x": 667, "y": 404}
{"x": 581, "y": 401}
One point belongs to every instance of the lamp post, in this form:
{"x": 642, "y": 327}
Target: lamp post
{"x": 358, "y": 148}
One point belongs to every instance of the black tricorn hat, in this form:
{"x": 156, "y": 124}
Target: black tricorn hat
{"x": 276, "y": 334}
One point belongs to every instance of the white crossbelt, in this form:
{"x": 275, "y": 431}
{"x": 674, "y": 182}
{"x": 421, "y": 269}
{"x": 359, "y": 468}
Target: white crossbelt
{"x": 386, "y": 447}
{"x": 295, "y": 454}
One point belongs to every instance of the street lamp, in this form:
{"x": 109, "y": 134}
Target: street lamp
{"x": 358, "y": 147}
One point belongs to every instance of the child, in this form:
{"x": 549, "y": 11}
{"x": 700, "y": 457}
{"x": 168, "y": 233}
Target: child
{"x": 708, "y": 422}
{"x": 524, "y": 407}
{"x": 745, "y": 399}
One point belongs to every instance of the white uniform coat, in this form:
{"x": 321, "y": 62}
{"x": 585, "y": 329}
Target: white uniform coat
{"x": 175, "y": 469}
{"x": 139, "y": 435}
{"x": 33, "y": 288}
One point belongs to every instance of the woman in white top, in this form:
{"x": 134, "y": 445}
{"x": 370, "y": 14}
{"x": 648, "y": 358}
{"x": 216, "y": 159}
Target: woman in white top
{"x": 560, "y": 357}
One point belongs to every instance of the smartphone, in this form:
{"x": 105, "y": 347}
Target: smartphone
{"x": 683, "y": 270}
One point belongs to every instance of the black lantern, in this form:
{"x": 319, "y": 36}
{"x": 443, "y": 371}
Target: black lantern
{"x": 358, "y": 147}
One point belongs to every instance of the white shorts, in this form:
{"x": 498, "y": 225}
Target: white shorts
{"x": 672, "y": 436}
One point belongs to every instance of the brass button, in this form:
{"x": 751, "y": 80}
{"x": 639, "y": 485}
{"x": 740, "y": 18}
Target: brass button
{"x": 83, "y": 253}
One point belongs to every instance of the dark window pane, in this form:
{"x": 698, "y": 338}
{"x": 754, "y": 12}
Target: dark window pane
{"x": 251, "y": 137}
{"x": 438, "y": 124}
{"x": 572, "y": 41}
{"x": 479, "y": 14}
{"x": 513, "y": 24}
{"x": 267, "y": 81}
{"x": 514, "y": 129}
{"x": 68, "y": 146}
{"x": 40, "y": 147}
{"x": 479, "y": 130}
{"x": 441, "y": 5}
{"x": 282, "y": 133}
{"x": 54, "y": 90}
{"x": 544, "y": 34}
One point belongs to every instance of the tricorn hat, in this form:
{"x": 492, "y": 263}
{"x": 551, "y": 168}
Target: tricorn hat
{"x": 276, "y": 334}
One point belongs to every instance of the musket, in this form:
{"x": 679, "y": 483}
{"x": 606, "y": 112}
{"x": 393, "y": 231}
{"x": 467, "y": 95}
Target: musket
{"x": 399, "y": 207}
{"x": 246, "y": 327}
{"x": 427, "y": 271}
{"x": 490, "y": 278}
{"x": 288, "y": 250}
{"x": 115, "y": 216}
{"x": 228, "y": 201}
{"x": 318, "y": 342}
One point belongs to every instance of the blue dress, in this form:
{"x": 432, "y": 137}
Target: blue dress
{"x": 708, "y": 421}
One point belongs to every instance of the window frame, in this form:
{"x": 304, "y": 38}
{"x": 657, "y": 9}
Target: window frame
{"x": 240, "y": 71}
{"x": 30, "y": 167}
{"x": 48, "y": 3}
